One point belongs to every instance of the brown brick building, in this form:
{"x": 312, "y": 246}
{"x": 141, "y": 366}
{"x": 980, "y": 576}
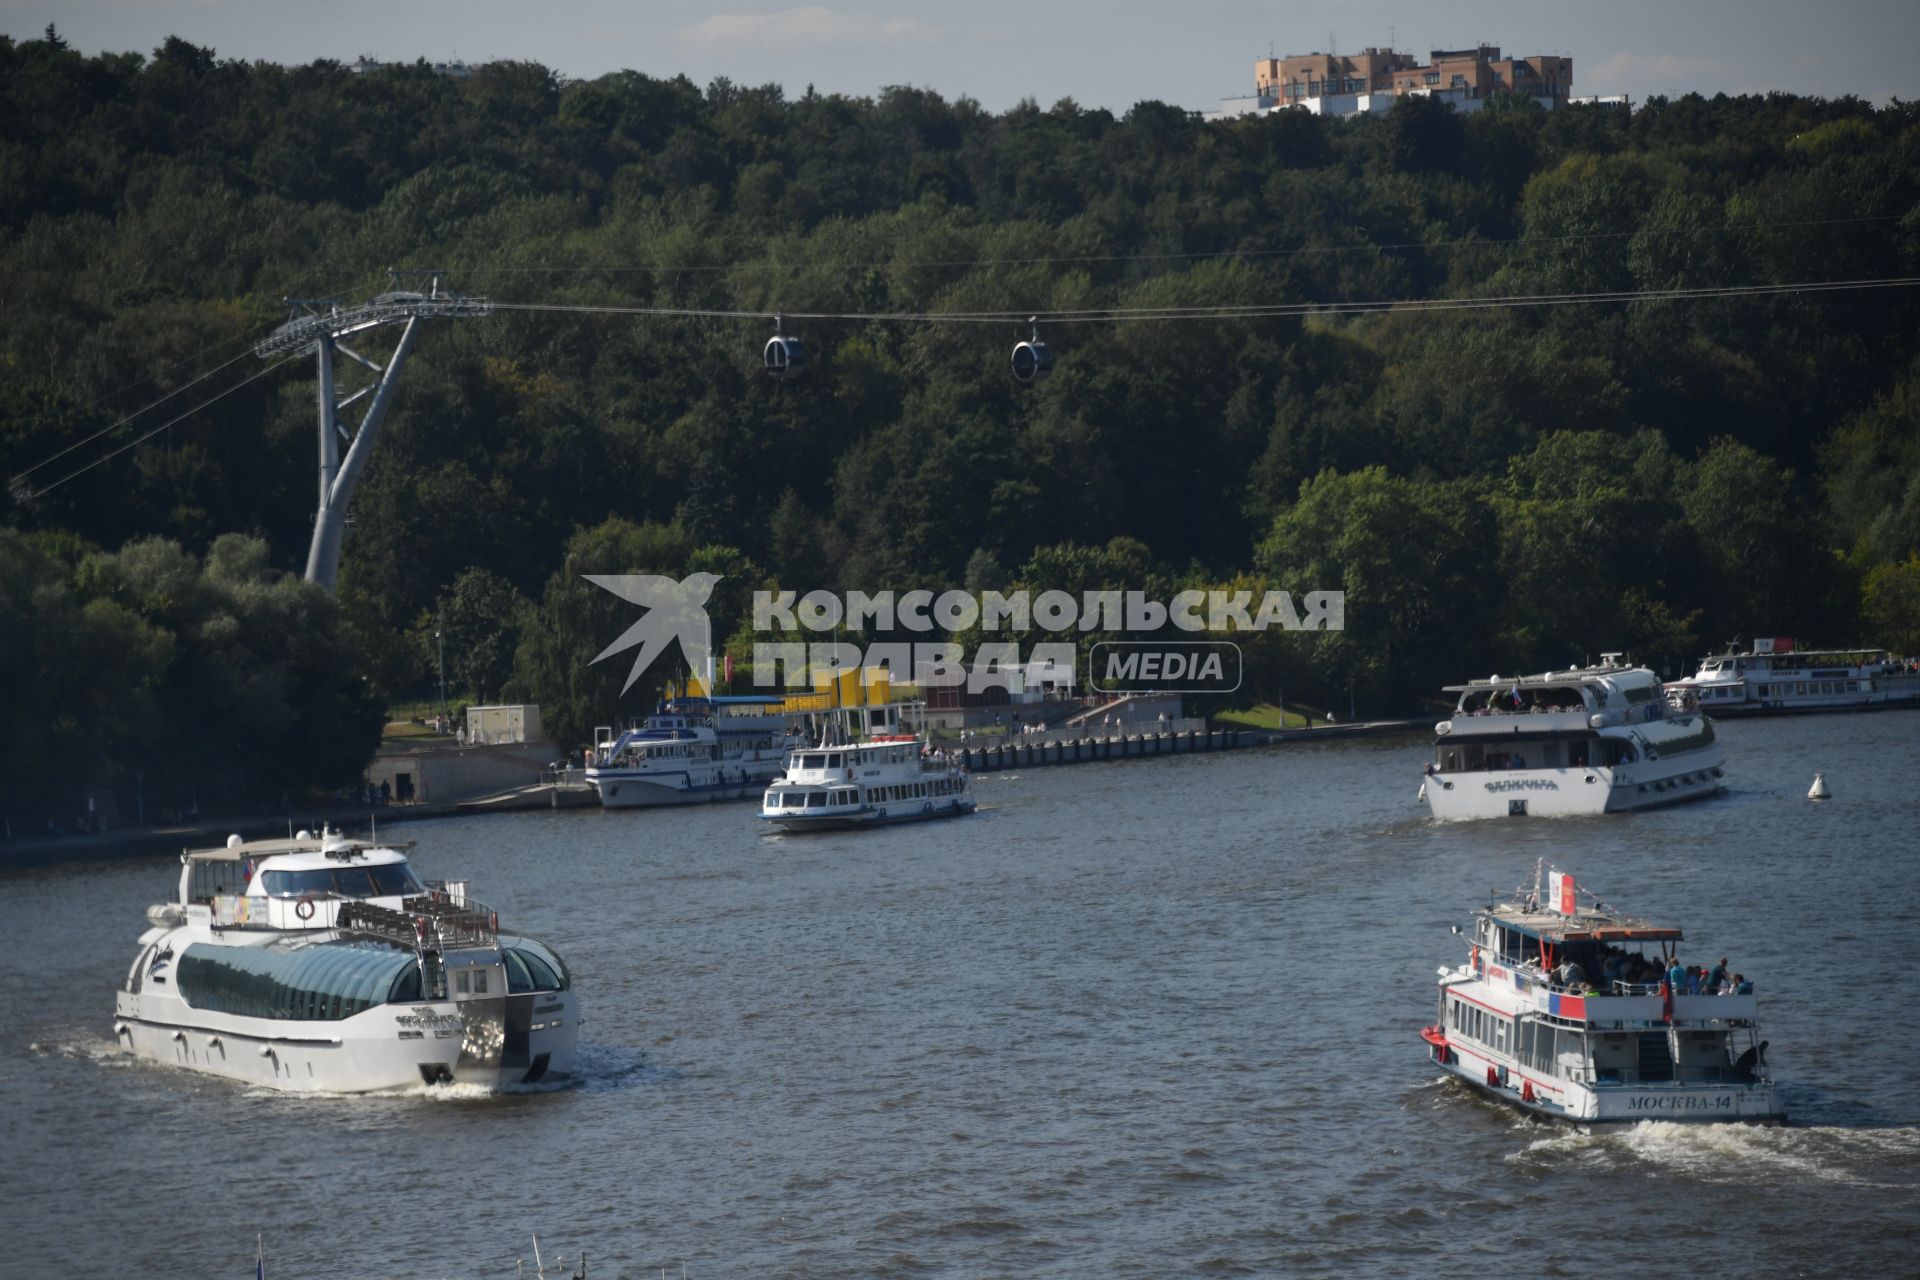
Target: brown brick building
{"x": 1351, "y": 84}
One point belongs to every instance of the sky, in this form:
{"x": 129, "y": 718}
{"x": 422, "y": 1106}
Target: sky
{"x": 1101, "y": 53}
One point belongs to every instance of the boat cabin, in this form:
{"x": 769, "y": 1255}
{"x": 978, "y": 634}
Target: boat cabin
{"x": 297, "y": 883}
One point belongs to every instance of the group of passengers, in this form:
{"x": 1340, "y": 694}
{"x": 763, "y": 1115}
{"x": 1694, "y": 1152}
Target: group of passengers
{"x": 1501, "y": 704}
{"x": 1620, "y": 969}
{"x": 1698, "y": 980}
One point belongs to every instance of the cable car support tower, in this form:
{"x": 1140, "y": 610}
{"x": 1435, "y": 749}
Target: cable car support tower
{"x": 325, "y": 322}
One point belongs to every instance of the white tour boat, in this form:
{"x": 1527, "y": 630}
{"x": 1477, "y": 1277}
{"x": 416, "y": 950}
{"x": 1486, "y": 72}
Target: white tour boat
{"x": 892, "y": 778}
{"x": 1775, "y": 678}
{"x": 1590, "y": 740}
{"x": 693, "y": 750}
{"x": 325, "y": 965}
{"x": 1561, "y": 1011}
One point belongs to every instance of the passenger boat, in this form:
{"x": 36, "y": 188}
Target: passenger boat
{"x": 1775, "y": 678}
{"x": 1562, "y": 1010}
{"x": 1589, "y": 740}
{"x": 890, "y": 779}
{"x": 325, "y": 965}
{"x": 691, "y": 750}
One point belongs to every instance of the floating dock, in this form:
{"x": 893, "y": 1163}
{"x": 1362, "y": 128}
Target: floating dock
{"x": 1016, "y": 754}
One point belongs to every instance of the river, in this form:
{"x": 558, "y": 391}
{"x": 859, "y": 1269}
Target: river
{"x": 1141, "y": 1018}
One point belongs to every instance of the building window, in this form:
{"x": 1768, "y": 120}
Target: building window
{"x": 1432, "y": 77}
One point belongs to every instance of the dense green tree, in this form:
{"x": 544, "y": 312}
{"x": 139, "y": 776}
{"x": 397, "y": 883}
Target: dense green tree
{"x": 1415, "y": 561}
{"x": 1582, "y": 476}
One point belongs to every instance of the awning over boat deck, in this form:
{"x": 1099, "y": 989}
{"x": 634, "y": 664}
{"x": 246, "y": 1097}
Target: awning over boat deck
{"x": 311, "y": 844}
{"x": 1551, "y": 926}
{"x": 1549, "y": 680}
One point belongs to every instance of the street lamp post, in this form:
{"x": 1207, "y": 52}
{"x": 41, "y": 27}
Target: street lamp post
{"x": 440, "y": 642}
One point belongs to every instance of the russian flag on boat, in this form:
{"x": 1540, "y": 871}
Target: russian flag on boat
{"x": 1567, "y": 1007}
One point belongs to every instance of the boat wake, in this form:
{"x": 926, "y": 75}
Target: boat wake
{"x": 1738, "y": 1153}
{"x": 82, "y": 1048}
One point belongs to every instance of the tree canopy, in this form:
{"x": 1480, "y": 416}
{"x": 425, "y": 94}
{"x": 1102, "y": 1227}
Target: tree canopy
{"x": 1495, "y": 488}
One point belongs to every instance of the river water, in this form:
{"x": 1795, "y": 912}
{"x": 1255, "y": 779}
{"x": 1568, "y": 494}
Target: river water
{"x": 1132, "y": 1019}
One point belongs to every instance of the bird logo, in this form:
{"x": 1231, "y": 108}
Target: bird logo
{"x": 675, "y": 611}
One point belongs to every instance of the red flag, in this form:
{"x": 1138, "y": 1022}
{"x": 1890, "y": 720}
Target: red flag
{"x": 726, "y": 663}
{"x": 1666, "y": 1000}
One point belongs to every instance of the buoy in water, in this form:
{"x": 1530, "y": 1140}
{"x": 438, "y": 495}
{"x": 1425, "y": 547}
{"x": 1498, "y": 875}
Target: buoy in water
{"x": 1818, "y": 791}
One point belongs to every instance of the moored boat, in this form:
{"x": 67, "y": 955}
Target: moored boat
{"x": 1561, "y": 1010}
{"x": 325, "y": 965}
{"x": 1587, "y": 740}
{"x": 1775, "y": 677}
{"x": 692, "y": 750}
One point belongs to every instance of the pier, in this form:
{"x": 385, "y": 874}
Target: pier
{"x": 1049, "y": 750}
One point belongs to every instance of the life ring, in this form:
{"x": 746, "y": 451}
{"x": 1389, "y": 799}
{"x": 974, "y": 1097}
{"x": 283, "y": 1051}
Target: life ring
{"x": 304, "y": 907}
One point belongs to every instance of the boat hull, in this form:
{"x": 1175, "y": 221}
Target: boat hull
{"x": 1757, "y": 1102}
{"x": 651, "y": 793}
{"x": 498, "y": 1043}
{"x": 1570, "y": 792}
{"x": 870, "y": 816}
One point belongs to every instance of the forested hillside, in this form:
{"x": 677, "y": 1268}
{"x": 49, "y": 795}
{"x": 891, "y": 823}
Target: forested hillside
{"x": 1496, "y": 488}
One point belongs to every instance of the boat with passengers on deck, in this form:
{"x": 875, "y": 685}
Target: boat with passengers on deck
{"x": 323, "y": 964}
{"x": 1775, "y": 677}
{"x": 1568, "y": 1009}
{"x": 891, "y": 776}
{"x": 1586, "y": 740}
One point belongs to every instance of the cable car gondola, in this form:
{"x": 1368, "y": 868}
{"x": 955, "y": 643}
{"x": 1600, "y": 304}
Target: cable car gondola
{"x": 1031, "y": 359}
{"x": 784, "y": 357}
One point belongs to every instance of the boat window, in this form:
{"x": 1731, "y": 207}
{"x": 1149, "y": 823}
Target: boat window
{"x": 393, "y": 880}
{"x": 406, "y": 987}
{"x": 528, "y": 972}
{"x": 519, "y": 981}
{"x": 480, "y": 982}
{"x": 324, "y": 982}
{"x": 381, "y": 880}
{"x": 544, "y": 963}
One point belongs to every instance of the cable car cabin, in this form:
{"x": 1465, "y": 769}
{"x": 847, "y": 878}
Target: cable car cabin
{"x": 785, "y": 357}
{"x": 1032, "y": 361}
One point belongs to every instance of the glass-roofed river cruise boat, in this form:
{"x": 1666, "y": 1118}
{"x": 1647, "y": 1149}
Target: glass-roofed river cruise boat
{"x": 325, "y": 965}
{"x": 1568, "y": 1009}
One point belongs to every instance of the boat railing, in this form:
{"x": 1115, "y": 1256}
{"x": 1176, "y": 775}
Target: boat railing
{"x": 1679, "y": 1077}
{"x": 434, "y": 921}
